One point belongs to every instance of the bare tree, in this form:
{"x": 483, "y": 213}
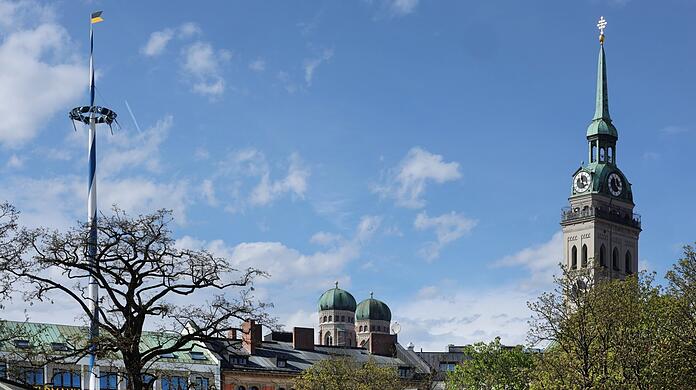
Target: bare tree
{"x": 146, "y": 282}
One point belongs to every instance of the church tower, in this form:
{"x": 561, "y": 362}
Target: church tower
{"x": 600, "y": 230}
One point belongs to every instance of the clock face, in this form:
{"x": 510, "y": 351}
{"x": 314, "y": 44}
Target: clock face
{"x": 615, "y": 184}
{"x": 581, "y": 183}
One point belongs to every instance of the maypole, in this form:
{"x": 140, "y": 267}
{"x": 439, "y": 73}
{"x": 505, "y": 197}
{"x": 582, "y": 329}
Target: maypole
{"x": 92, "y": 115}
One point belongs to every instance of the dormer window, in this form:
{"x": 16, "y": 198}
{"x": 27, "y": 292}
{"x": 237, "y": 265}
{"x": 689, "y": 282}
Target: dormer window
{"x": 169, "y": 355}
{"x": 59, "y": 347}
{"x": 238, "y": 360}
{"x": 21, "y": 344}
{"x": 196, "y": 355}
{"x": 282, "y": 363}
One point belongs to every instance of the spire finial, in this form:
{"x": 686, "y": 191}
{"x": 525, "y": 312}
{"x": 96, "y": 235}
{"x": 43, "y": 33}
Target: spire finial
{"x": 336, "y": 283}
{"x": 372, "y": 294}
{"x": 601, "y": 25}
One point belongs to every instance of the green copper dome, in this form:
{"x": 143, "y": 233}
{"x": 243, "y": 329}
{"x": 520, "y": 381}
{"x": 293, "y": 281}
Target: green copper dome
{"x": 337, "y": 299}
{"x": 373, "y": 309}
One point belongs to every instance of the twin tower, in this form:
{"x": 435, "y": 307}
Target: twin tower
{"x": 344, "y": 323}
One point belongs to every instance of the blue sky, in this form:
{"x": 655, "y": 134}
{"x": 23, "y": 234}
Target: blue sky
{"x": 418, "y": 149}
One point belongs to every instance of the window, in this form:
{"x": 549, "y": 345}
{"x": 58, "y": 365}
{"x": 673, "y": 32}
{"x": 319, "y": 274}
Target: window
{"x": 197, "y": 355}
{"x": 254, "y": 388}
{"x": 32, "y": 376}
{"x": 628, "y": 263}
{"x": 602, "y": 261}
{"x": 327, "y": 339}
{"x": 148, "y": 380}
{"x": 343, "y": 318}
{"x": 404, "y": 372}
{"x": 610, "y": 155}
{"x": 241, "y": 388}
{"x": 583, "y": 262}
{"x": 21, "y": 343}
{"x": 574, "y": 258}
{"x": 329, "y": 318}
{"x": 169, "y": 355}
{"x": 594, "y": 154}
{"x": 201, "y": 383}
{"x": 108, "y": 381}
{"x": 281, "y": 363}
{"x": 601, "y": 154}
{"x": 238, "y": 360}
{"x": 3, "y": 370}
{"x": 324, "y": 318}
{"x": 174, "y": 383}
{"x": 59, "y": 346}
{"x": 615, "y": 259}
{"x": 447, "y": 366}
{"x": 65, "y": 378}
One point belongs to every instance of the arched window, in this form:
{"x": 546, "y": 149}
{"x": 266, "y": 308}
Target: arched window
{"x": 628, "y": 263}
{"x": 615, "y": 259}
{"x": 574, "y": 258}
{"x": 324, "y": 318}
{"x": 254, "y": 388}
{"x": 327, "y": 339}
{"x": 241, "y": 388}
{"x": 594, "y": 153}
{"x": 329, "y": 318}
{"x": 602, "y": 154}
{"x": 602, "y": 260}
{"x": 610, "y": 155}
{"x": 343, "y": 318}
{"x": 583, "y": 261}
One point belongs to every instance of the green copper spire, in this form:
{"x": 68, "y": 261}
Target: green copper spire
{"x": 601, "y": 123}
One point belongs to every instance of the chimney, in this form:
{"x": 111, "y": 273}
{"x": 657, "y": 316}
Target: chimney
{"x": 382, "y": 344}
{"x": 303, "y": 339}
{"x": 251, "y": 336}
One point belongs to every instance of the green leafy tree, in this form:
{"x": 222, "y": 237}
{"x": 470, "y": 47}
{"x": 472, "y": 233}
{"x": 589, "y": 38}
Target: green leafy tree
{"x": 341, "y": 373}
{"x": 492, "y": 366}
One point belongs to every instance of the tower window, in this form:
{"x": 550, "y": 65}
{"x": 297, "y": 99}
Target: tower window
{"x": 628, "y": 263}
{"x": 594, "y": 153}
{"x": 327, "y": 339}
{"x": 574, "y": 258}
{"x": 583, "y": 262}
{"x": 615, "y": 259}
{"x": 324, "y": 319}
{"x": 329, "y": 318}
{"x": 610, "y": 155}
{"x": 343, "y": 318}
{"x": 602, "y": 154}
{"x": 602, "y": 261}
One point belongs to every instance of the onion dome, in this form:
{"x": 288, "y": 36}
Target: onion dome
{"x": 337, "y": 299}
{"x": 372, "y": 309}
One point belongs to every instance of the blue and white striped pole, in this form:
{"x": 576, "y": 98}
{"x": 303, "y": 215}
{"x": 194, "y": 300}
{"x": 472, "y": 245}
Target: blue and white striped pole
{"x": 92, "y": 222}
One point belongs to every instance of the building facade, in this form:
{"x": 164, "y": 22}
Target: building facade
{"x": 600, "y": 229}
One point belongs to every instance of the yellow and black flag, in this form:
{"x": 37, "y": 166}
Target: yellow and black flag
{"x": 96, "y": 17}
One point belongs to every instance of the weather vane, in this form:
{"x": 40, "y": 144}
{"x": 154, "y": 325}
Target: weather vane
{"x": 601, "y": 25}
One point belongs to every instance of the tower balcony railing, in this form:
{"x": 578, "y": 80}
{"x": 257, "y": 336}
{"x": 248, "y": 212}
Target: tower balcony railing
{"x": 569, "y": 214}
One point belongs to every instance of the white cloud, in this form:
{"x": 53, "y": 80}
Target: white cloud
{"x": 395, "y": 8}
{"x": 448, "y": 228}
{"x": 402, "y": 7}
{"x": 311, "y": 64}
{"x": 142, "y": 195}
{"x": 208, "y": 192}
{"x": 242, "y": 167}
{"x": 201, "y": 62}
{"x": 258, "y": 65}
{"x": 288, "y": 265}
{"x": 674, "y": 130}
{"x": 458, "y": 316}
{"x": 407, "y": 182}
{"x": 540, "y": 260}
{"x": 188, "y": 30}
{"x": 295, "y": 182}
{"x": 34, "y": 55}
{"x": 128, "y": 150}
{"x": 157, "y": 42}
{"x": 14, "y": 162}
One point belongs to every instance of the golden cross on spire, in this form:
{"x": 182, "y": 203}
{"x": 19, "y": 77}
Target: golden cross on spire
{"x": 601, "y": 25}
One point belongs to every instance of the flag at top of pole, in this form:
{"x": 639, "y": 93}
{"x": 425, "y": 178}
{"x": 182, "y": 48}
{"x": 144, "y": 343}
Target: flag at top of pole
{"x": 96, "y": 17}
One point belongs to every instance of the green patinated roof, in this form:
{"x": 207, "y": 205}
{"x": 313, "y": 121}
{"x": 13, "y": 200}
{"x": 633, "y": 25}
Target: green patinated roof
{"x": 601, "y": 123}
{"x": 337, "y": 299}
{"x": 47, "y": 334}
{"x": 373, "y": 309}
